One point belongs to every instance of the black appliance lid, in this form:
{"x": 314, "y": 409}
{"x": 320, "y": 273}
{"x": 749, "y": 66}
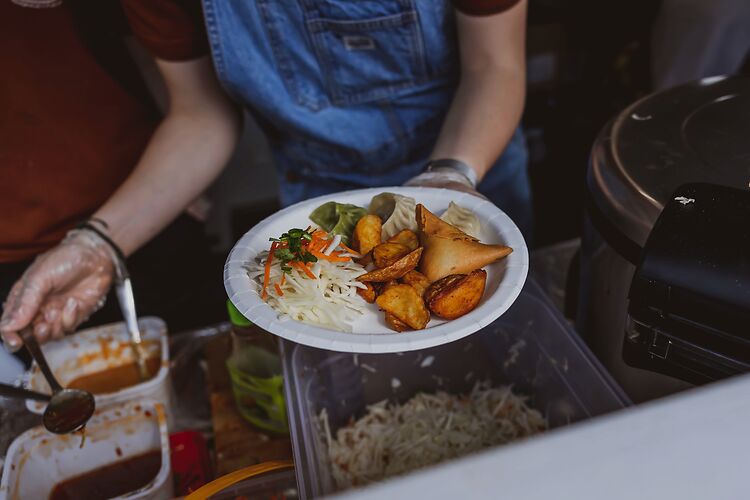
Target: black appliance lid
{"x": 699, "y": 132}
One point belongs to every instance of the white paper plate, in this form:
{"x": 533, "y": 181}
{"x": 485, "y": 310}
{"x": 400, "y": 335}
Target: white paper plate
{"x": 371, "y": 335}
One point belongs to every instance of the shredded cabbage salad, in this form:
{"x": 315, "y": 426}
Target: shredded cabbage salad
{"x": 316, "y": 301}
{"x": 392, "y": 439}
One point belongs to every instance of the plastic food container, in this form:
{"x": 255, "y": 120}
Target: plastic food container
{"x": 37, "y": 460}
{"x": 101, "y": 348}
{"x": 530, "y": 347}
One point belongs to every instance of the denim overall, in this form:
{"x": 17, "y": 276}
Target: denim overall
{"x": 351, "y": 93}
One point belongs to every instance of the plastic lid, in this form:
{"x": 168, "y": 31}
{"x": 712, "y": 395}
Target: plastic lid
{"x": 691, "y": 133}
{"x": 236, "y": 316}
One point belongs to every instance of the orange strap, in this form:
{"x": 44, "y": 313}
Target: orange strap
{"x": 215, "y": 486}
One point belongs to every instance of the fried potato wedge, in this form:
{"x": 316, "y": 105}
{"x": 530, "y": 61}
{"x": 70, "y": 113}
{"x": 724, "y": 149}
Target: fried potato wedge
{"x": 406, "y": 305}
{"x": 369, "y": 293}
{"x": 442, "y": 284}
{"x": 395, "y": 270}
{"x": 366, "y": 235}
{"x": 386, "y": 254}
{"x": 405, "y": 237}
{"x": 457, "y": 294}
{"x": 416, "y": 279}
{"x": 365, "y": 260}
{"x": 395, "y": 324}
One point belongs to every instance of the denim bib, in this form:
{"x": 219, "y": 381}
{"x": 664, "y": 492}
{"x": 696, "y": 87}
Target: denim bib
{"x": 350, "y": 93}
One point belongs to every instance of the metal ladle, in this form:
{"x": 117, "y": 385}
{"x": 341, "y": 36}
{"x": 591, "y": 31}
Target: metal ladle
{"x": 68, "y": 410}
{"x": 11, "y": 391}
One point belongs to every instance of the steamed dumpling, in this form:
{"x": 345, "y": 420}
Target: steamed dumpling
{"x": 396, "y": 212}
{"x": 462, "y": 218}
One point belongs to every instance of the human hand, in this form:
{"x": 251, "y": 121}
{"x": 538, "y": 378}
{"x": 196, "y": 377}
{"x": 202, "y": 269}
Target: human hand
{"x": 444, "y": 179}
{"x": 60, "y": 290}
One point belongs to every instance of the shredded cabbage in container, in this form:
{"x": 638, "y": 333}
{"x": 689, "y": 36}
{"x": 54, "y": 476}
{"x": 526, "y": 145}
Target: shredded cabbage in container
{"x": 316, "y": 301}
{"x": 392, "y": 439}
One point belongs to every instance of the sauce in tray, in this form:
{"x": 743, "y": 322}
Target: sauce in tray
{"x": 115, "y": 379}
{"x": 112, "y": 480}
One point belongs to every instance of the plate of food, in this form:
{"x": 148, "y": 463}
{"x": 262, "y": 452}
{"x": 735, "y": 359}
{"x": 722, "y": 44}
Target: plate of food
{"x": 379, "y": 270}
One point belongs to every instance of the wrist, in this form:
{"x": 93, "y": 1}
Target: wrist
{"x": 97, "y": 238}
{"x": 453, "y": 167}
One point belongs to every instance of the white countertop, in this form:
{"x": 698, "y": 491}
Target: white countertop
{"x": 695, "y": 445}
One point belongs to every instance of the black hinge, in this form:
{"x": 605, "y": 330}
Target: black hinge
{"x": 659, "y": 346}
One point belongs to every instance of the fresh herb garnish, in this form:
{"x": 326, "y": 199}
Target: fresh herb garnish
{"x": 292, "y": 249}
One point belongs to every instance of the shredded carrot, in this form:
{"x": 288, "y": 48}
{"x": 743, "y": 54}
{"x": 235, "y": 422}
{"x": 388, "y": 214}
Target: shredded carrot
{"x": 319, "y": 241}
{"x": 332, "y": 258}
{"x": 267, "y": 271}
{"x": 278, "y": 290}
{"x": 349, "y": 250}
{"x": 341, "y": 254}
{"x": 317, "y": 245}
{"x": 283, "y": 279}
{"x": 304, "y": 269}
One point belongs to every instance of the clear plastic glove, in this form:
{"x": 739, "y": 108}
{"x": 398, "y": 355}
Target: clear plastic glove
{"x": 60, "y": 290}
{"x": 444, "y": 179}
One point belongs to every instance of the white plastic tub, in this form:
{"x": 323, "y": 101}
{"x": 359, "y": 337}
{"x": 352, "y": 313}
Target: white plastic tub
{"x": 97, "y": 349}
{"x": 37, "y": 460}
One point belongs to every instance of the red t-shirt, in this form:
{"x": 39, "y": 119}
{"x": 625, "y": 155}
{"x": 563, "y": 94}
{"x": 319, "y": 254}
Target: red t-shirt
{"x": 74, "y": 113}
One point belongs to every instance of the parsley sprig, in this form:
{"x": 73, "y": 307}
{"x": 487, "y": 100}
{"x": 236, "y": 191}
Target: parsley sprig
{"x": 293, "y": 249}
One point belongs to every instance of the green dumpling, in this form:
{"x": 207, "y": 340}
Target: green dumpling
{"x": 338, "y": 218}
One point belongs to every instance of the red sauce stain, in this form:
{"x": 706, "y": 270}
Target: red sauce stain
{"x": 118, "y": 451}
{"x": 12, "y": 466}
{"x": 147, "y": 413}
{"x": 137, "y": 408}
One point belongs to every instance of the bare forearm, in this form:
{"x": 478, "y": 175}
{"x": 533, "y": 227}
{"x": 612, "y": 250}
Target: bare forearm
{"x": 489, "y": 100}
{"x": 482, "y": 118}
{"x": 184, "y": 156}
{"x": 186, "y": 153}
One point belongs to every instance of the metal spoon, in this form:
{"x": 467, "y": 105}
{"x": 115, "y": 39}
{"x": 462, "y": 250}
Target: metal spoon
{"x": 68, "y": 409}
{"x": 11, "y": 391}
{"x": 124, "y": 290}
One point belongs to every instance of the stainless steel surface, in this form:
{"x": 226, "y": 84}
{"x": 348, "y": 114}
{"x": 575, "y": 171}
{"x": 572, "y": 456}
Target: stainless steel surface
{"x": 124, "y": 290}
{"x": 691, "y": 133}
{"x": 11, "y": 391}
{"x": 68, "y": 409}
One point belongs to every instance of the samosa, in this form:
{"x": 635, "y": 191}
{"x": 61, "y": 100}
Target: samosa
{"x": 448, "y": 250}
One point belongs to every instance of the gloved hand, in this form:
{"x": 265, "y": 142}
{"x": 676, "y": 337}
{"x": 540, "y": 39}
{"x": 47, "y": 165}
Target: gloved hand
{"x": 60, "y": 290}
{"x": 444, "y": 179}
